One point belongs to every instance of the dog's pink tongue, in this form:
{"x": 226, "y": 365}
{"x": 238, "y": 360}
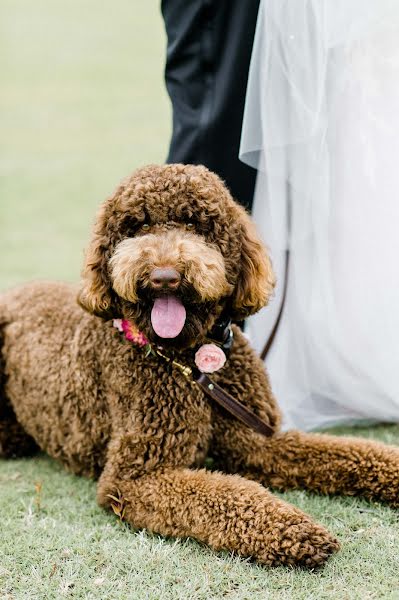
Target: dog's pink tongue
{"x": 168, "y": 316}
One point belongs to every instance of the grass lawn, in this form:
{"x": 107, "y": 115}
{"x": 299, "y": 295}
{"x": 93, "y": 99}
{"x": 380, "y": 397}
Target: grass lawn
{"x": 82, "y": 103}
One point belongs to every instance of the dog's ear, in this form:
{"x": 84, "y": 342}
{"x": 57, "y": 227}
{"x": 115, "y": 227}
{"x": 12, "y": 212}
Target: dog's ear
{"x": 256, "y": 278}
{"x": 95, "y": 295}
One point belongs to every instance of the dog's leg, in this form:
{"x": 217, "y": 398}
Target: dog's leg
{"x": 14, "y": 441}
{"x": 319, "y": 462}
{"x": 225, "y": 511}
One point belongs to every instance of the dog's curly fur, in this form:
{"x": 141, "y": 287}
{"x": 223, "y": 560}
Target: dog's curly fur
{"x": 104, "y": 409}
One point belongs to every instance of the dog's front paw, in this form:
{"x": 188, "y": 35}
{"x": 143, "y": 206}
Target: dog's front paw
{"x": 308, "y": 545}
{"x": 299, "y": 542}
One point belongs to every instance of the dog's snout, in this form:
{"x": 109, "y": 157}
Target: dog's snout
{"x": 165, "y": 278}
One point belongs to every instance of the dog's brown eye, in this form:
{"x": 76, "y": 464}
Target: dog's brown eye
{"x": 190, "y": 225}
{"x": 145, "y": 227}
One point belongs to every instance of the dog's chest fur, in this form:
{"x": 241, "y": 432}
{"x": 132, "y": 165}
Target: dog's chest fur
{"x": 168, "y": 412}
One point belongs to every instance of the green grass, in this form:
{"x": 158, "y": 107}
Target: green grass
{"x": 82, "y": 103}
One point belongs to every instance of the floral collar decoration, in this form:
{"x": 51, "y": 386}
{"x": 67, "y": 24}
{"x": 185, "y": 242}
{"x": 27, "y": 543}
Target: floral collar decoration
{"x": 209, "y": 358}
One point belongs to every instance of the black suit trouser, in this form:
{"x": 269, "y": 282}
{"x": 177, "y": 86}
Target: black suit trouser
{"x": 208, "y": 55}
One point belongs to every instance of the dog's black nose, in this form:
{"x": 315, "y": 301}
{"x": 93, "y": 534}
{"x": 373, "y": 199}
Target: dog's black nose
{"x": 165, "y": 278}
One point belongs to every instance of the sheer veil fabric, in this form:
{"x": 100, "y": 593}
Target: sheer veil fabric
{"x": 321, "y": 125}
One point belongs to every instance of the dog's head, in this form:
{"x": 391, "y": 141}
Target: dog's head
{"x": 171, "y": 251}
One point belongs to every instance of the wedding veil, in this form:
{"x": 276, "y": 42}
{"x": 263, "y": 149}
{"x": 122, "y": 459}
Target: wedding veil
{"x": 321, "y": 125}
{"x": 286, "y": 114}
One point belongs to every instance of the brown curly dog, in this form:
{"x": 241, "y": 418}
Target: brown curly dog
{"x": 173, "y": 254}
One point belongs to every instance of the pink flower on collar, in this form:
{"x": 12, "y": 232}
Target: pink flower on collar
{"x": 209, "y": 358}
{"x": 117, "y": 323}
{"x": 132, "y": 333}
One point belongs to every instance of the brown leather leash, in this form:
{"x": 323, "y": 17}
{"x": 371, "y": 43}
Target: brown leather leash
{"x": 223, "y": 398}
{"x": 270, "y": 340}
{"x": 241, "y": 412}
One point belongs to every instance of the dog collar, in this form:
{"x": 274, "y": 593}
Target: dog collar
{"x": 222, "y": 334}
{"x": 209, "y": 357}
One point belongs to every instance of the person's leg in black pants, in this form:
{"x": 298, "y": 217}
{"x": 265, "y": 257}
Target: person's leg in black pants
{"x": 208, "y": 56}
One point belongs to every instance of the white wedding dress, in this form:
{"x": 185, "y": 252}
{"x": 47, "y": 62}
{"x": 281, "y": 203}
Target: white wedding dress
{"x": 322, "y": 126}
